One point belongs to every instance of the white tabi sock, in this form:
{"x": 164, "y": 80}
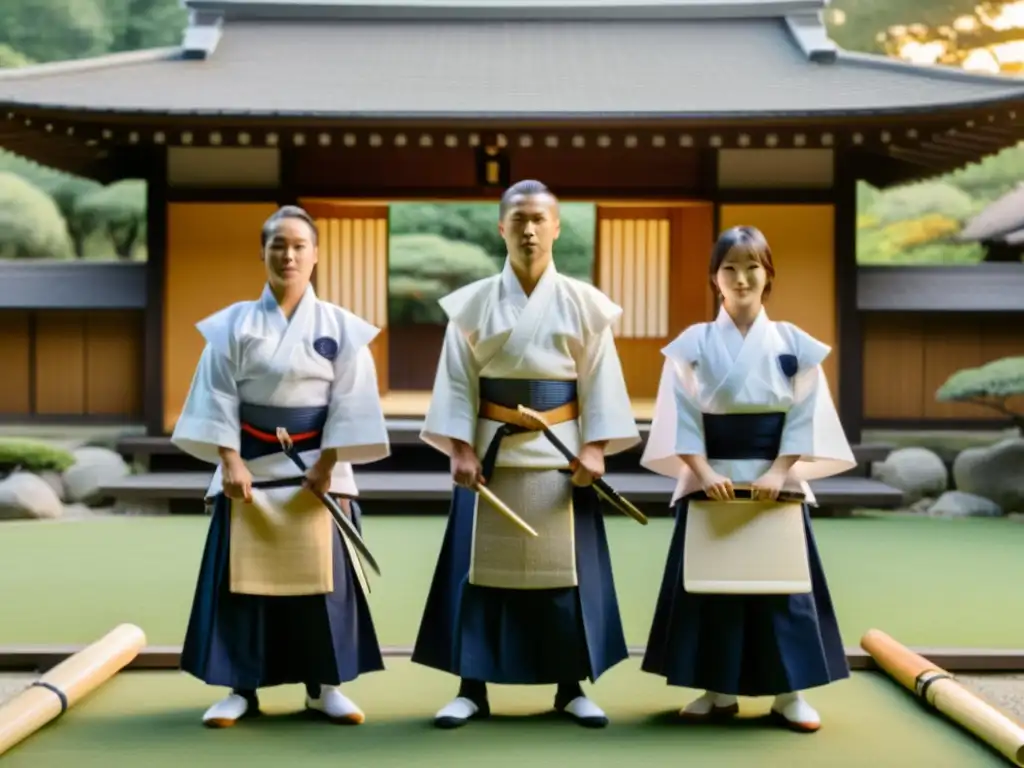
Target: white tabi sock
{"x": 709, "y": 700}
{"x": 796, "y": 711}
{"x": 456, "y": 712}
{"x": 226, "y": 712}
{"x": 586, "y": 712}
{"x": 336, "y": 706}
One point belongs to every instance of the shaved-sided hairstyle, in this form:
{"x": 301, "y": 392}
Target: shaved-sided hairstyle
{"x": 287, "y": 212}
{"x": 522, "y": 188}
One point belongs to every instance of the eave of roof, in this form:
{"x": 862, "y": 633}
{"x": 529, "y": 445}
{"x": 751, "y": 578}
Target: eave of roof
{"x": 502, "y": 10}
{"x": 402, "y": 72}
{"x": 696, "y": 65}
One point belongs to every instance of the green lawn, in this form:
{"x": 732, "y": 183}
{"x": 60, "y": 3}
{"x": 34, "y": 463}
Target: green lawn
{"x": 153, "y": 720}
{"x": 925, "y": 581}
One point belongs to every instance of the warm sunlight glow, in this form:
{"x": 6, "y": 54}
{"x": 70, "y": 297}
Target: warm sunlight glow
{"x": 837, "y": 16}
{"x": 981, "y": 60}
{"x": 922, "y": 53}
{"x": 966, "y": 24}
{"x": 1010, "y": 16}
{"x": 982, "y": 42}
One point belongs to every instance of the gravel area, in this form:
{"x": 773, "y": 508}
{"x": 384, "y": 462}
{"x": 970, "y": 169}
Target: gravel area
{"x": 1005, "y": 692}
{"x": 11, "y": 685}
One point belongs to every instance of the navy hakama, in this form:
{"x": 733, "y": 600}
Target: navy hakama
{"x": 522, "y": 636}
{"x": 511, "y": 636}
{"x": 744, "y": 645}
{"x": 247, "y": 642}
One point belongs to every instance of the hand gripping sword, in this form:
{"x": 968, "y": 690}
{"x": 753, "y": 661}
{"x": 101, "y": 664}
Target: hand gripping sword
{"x": 348, "y": 528}
{"x": 604, "y": 490}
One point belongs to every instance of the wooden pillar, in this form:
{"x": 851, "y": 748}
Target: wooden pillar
{"x": 849, "y": 322}
{"x": 156, "y": 273}
{"x": 353, "y": 268}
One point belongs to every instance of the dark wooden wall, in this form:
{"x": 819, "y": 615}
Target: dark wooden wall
{"x": 907, "y": 357}
{"x": 64, "y": 363}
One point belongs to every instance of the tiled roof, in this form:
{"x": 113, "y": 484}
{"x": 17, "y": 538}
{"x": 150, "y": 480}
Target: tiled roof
{"x": 420, "y": 58}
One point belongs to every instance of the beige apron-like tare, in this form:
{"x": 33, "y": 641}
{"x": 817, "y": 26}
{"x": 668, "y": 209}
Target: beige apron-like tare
{"x": 745, "y": 547}
{"x": 502, "y": 555}
{"x": 281, "y": 544}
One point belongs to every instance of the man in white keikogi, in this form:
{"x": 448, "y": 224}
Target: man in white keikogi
{"x": 504, "y": 607}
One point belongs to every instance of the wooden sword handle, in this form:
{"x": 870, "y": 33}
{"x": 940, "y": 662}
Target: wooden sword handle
{"x": 940, "y": 690}
{"x": 502, "y": 507}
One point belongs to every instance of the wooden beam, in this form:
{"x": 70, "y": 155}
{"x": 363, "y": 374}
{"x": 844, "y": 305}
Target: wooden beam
{"x": 37, "y": 659}
{"x": 980, "y": 288}
{"x": 951, "y": 152}
{"x": 153, "y": 366}
{"x": 973, "y": 144}
{"x": 924, "y": 160}
{"x": 848, "y": 319}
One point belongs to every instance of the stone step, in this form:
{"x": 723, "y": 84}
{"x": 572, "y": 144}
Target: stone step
{"x": 409, "y": 452}
{"x": 410, "y": 488}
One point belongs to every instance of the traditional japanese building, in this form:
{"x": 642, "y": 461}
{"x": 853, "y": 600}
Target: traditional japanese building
{"x": 677, "y": 118}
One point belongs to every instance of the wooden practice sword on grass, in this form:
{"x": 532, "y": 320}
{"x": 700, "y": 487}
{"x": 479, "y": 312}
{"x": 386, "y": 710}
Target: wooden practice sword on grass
{"x": 604, "y": 490}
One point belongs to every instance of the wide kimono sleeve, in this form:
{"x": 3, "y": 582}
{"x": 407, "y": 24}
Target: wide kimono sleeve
{"x": 209, "y": 419}
{"x": 454, "y": 403}
{"x": 812, "y": 429}
{"x": 355, "y": 425}
{"x": 677, "y": 427}
{"x": 606, "y": 411}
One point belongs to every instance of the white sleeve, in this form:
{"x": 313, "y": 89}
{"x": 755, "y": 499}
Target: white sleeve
{"x": 455, "y": 401}
{"x": 606, "y": 413}
{"x": 812, "y": 430}
{"x": 677, "y": 428}
{"x": 355, "y": 426}
{"x": 209, "y": 419}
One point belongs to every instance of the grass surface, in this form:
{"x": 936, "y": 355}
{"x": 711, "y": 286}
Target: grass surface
{"x": 153, "y": 719}
{"x": 926, "y": 581}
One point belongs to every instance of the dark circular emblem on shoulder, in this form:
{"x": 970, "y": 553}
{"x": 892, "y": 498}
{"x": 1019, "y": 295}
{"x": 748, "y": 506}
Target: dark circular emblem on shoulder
{"x": 327, "y": 347}
{"x": 789, "y": 364}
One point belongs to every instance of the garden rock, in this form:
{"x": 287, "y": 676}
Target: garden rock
{"x": 55, "y": 481}
{"x": 995, "y": 472}
{"x": 25, "y": 496}
{"x": 960, "y": 504}
{"x": 917, "y": 472}
{"x": 93, "y": 468}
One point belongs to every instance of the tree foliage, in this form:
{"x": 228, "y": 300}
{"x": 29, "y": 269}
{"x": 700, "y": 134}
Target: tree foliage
{"x": 424, "y": 267}
{"x": 439, "y": 247}
{"x": 992, "y": 177}
{"x": 916, "y": 223}
{"x": 119, "y": 209}
{"x": 478, "y": 223}
{"x": 136, "y": 24}
{"x": 107, "y": 218}
{"x": 31, "y": 226}
{"x": 55, "y": 30}
{"x": 12, "y": 58}
{"x": 990, "y": 385}
{"x": 58, "y": 30}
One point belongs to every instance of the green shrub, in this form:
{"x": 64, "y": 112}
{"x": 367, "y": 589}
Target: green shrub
{"x": 990, "y": 385}
{"x": 32, "y": 455}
